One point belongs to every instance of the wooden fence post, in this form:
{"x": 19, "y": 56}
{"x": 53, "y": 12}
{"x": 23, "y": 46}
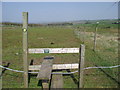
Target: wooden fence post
{"x": 0, "y": 50}
{"x": 95, "y": 37}
{"x": 25, "y": 48}
{"x": 81, "y": 65}
{"x": 84, "y": 34}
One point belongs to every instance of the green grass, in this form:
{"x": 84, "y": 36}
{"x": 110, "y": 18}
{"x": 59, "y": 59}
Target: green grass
{"x": 62, "y": 37}
{"x": 107, "y": 46}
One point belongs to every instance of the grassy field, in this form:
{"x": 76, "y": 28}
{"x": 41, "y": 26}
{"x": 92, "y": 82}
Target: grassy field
{"x": 63, "y": 37}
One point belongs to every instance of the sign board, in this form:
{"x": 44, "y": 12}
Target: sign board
{"x": 56, "y": 66}
{"x": 53, "y": 50}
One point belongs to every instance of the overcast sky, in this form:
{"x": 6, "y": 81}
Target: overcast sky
{"x": 45, "y": 12}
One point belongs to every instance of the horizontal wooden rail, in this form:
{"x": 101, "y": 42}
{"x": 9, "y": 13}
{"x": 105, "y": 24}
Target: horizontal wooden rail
{"x": 53, "y": 50}
{"x": 56, "y": 66}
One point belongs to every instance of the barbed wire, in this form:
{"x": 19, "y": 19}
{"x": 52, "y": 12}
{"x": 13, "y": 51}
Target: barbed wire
{"x": 63, "y": 73}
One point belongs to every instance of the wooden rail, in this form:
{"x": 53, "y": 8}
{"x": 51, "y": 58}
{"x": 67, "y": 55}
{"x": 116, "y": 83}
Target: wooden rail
{"x": 53, "y": 50}
{"x": 56, "y": 66}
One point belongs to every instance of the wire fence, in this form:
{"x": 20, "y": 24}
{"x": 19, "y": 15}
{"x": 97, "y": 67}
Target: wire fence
{"x": 62, "y": 73}
{"x": 79, "y": 35}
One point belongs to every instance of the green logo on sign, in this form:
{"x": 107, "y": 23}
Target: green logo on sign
{"x": 46, "y": 50}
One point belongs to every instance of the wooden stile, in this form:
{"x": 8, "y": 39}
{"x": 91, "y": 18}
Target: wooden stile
{"x": 45, "y": 69}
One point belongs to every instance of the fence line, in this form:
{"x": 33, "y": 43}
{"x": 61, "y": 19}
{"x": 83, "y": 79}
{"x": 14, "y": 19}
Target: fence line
{"x": 63, "y": 73}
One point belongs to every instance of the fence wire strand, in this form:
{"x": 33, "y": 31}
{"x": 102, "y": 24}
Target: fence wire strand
{"x": 62, "y": 73}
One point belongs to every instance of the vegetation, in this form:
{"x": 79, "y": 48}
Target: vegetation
{"x": 61, "y": 37}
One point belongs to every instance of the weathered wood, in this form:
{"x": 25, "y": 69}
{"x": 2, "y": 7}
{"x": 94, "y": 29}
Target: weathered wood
{"x": 57, "y": 81}
{"x": 56, "y": 66}
{"x": 45, "y": 84}
{"x": 84, "y": 34}
{"x": 81, "y": 65}
{"x": 25, "y": 51}
{"x": 95, "y": 38}
{"x": 1, "y": 50}
{"x": 53, "y": 50}
{"x": 46, "y": 69}
{"x": 29, "y": 74}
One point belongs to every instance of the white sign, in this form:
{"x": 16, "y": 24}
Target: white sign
{"x": 53, "y": 50}
{"x": 56, "y": 66}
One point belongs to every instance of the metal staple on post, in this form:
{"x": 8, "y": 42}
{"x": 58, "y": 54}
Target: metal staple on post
{"x": 25, "y": 51}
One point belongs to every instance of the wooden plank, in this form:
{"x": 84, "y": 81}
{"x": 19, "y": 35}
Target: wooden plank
{"x": 57, "y": 81}
{"x": 53, "y": 50}
{"x": 25, "y": 51}
{"x": 81, "y": 65}
{"x": 46, "y": 69}
{"x": 56, "y": 66}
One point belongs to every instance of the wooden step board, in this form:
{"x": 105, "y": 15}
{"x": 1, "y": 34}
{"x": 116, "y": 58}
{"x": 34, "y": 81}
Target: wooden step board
{"x": 46, "y": 69}
{"x": 57, "y": 81}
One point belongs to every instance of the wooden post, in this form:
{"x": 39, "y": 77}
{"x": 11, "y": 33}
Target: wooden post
{"x": 81, "y": 65}
{"x": 95, "y": 37}
{"x": 119, "y": 43}
{"x": 0, "y": 51}
{"x": 25, "y": 47}
{"x": 84, "y": 34}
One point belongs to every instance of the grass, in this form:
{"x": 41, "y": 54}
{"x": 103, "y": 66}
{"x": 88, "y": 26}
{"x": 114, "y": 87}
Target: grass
{"x": 62, "y": 37}
{"x": 107, "y": 47}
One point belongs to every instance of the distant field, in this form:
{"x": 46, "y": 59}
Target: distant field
{"x": 63, "y": 37}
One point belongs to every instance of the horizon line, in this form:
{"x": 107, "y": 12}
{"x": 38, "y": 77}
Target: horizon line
{"x": 59, "y": 21}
